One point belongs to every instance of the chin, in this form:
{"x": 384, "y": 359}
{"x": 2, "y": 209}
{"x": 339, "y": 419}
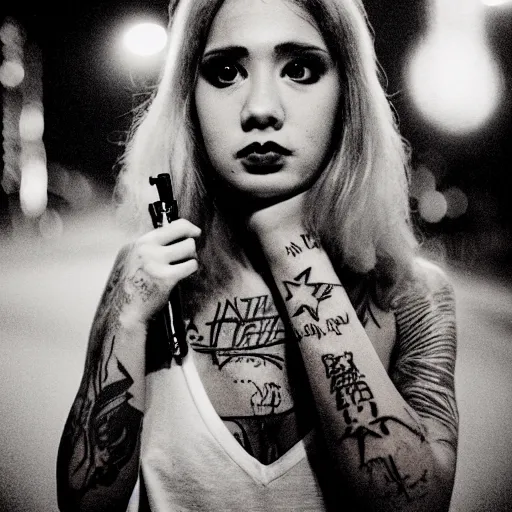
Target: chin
{"x": 270, "y": 188}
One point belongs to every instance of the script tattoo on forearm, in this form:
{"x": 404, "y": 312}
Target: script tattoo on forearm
{"x": 322, "y": 328}
{"x": 306, "y": 241}
{"x": 368, "y": 428}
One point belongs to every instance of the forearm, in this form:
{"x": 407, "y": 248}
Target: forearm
{"x": 98, "y": 455}
{"x": 376, "y": 439}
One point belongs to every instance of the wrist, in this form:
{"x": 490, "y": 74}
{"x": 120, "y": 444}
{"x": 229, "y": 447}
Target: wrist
{"x": 131, "y": 322}
{"x": 278, "y": 220}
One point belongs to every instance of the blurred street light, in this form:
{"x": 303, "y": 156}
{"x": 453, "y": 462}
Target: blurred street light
{"x": 432, "y": 206}
{"x": 12, "y": 38}
{"x": 145, "y": 39}
{"x": 453, "y": 77}
{"x": 33, "y": 187}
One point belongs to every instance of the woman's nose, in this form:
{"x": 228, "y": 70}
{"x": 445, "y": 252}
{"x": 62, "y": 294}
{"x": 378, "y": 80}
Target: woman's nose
{"x": 262, "y": 107}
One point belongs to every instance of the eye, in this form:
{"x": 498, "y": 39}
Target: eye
{"x": 304, "y": 70}
{"x": 221, "y": 72}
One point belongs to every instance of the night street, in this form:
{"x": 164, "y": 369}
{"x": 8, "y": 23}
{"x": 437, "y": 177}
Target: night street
{"x": 49, "y": 291}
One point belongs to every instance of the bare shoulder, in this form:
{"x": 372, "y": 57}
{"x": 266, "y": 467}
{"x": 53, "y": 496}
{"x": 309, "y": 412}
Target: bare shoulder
{"x": 433, "y": 276}
{"x": 430, "y": 284}
{"x": 425, "y": 310}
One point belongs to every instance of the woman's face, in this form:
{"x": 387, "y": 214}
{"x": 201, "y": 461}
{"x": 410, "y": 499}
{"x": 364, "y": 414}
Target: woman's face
{"x": 266, "y": 98}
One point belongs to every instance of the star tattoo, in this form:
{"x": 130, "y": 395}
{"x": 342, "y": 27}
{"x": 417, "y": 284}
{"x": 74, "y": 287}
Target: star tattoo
{"x": 305, "y": 296}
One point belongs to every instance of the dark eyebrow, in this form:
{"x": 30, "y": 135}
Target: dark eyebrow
{"x": 287, "y": 49}
{"x": 295, "y": 48}
{"x": 235, "y": 52}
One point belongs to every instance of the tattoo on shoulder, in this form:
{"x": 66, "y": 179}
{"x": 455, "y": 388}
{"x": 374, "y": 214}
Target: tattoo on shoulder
{"x": 368, "y": 429}
{"x": 364, "y": 301}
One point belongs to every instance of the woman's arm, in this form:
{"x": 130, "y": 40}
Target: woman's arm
{"x": 98, "y": 457}
{"x": 396, "y": 450}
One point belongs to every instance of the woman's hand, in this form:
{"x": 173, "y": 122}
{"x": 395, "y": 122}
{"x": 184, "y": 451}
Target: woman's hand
{"x": 156, "y": 262}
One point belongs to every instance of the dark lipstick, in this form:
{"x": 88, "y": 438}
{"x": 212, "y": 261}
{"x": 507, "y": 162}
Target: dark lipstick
{"x": 263, "y": 149}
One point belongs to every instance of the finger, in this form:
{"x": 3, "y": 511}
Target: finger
{"x": 173, "y": 232}
{"x": 177, "y": 272}
{"x": 178, "y": 251}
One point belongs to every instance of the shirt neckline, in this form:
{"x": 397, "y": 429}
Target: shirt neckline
{"x": 261, "y": 473}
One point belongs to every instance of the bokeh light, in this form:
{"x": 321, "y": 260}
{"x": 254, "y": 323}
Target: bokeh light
{"x": 423, "y": 180}
{"x": 457, "y": 202}
{"x": 31, "y": 122}
{"x": 11, "y": 33}
{"x": 432, "y": 206}
{"x": 455, "y": 83}
{"x": 33, "y": 187}
{"x": 79, "y": 191}
{"x": 12, "y": 73}
{"x": 145, "y": 39}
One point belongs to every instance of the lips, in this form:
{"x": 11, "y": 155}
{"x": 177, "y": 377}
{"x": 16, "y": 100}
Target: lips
{"x": 263, "y": 158}
{"x": 270, "y": 158}
{"x": 270, "y": 148}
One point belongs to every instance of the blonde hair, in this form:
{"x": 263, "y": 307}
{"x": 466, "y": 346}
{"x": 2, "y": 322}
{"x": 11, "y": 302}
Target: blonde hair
{"x": 359, "y": 204}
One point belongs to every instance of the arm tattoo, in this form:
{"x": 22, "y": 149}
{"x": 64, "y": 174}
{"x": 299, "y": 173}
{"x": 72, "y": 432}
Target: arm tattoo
{"x": 321, "y": 328}
{"x": 304, "y": 296}
{"x": 369, "y": 429}
{"x": 106, "y": 425}
{"x": 424, "y": 358}
{"x": 103, "y": 425}
{"x": 307, "y": 241}
{"x": 140, "y": 283}
{"x": 102, "y": 430}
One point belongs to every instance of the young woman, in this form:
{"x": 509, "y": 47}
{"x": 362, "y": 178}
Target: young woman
{"x": 322, "y": 349}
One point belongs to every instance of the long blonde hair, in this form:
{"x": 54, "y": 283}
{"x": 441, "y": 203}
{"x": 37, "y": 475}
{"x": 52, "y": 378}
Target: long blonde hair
{"x": 359, "y": 204}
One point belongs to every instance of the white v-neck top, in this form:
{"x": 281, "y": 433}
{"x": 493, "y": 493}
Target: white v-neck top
{"x": 191, "y": 462}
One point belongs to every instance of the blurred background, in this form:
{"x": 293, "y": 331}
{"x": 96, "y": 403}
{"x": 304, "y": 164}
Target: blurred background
{"x": 70, "y": 77}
